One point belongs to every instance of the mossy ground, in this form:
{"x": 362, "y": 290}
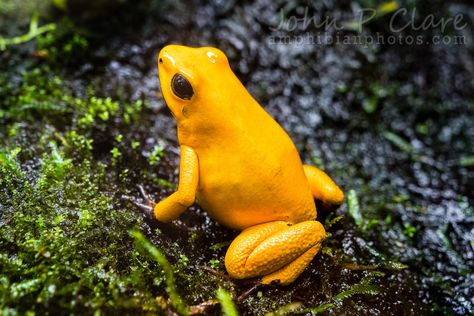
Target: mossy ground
{"x": 81, "y": 124}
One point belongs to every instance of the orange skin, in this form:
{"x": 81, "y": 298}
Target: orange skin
{"x": 242, "y": 168}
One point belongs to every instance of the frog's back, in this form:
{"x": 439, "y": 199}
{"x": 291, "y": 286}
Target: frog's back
{"x": 249, "y": 169}
{"x": 253, "y": 175}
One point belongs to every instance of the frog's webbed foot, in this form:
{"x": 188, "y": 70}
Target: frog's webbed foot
{"x": 275, "y": 251}
{"x": 148, "y": 205}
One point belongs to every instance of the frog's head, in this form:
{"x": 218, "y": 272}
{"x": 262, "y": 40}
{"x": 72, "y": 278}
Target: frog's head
{"x": 197, "y": 83}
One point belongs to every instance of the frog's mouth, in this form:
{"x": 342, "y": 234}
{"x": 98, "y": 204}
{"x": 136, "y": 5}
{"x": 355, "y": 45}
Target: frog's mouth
{"x": 166, "y": 109}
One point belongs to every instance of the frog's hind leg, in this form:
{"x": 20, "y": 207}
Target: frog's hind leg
{"x": 275, "y": 251}
{"x": 322, "y": 186}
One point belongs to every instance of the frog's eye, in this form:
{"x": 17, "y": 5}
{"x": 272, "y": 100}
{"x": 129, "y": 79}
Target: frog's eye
{"x": 181, "y": 87}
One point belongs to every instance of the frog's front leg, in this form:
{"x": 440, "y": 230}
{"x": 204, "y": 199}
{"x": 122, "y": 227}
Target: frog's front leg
{"x": 275, "y": 251}
{"x": 170, "y": 208}
{"x": 322, "y": 186}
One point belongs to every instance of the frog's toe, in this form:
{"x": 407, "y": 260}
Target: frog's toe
{"x": 290, "y": 272}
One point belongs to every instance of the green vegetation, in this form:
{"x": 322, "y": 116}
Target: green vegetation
{"x": 355, "y": 212}
{"x": 156, "y": 155}
{"x": 466, "y": 161}
{"x": 80, "y": 127}
{"x": 55, "y": 250}
{"x": 354, "y": 208}
{"x": 362, "y": 288}
{"x": 63, "y": 240}
{"x": 399, "y": 142}
{"x": 157, "y": 255}
{"x": 228, "y": 307}
{"x": 34, "y": 31}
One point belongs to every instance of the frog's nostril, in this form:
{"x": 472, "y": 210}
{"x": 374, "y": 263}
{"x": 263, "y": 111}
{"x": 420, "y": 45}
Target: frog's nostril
{"x": 166, "y": 60}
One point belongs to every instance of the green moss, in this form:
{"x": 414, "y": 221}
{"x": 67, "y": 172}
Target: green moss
{"x": 157, "y": 255}
{"x": 55, "y": 245}
{"x": 409, "y": 230}
{"x": 215, "y": 263}
{"x": 155, "y": 155}
{"x": 63, "y": 238}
